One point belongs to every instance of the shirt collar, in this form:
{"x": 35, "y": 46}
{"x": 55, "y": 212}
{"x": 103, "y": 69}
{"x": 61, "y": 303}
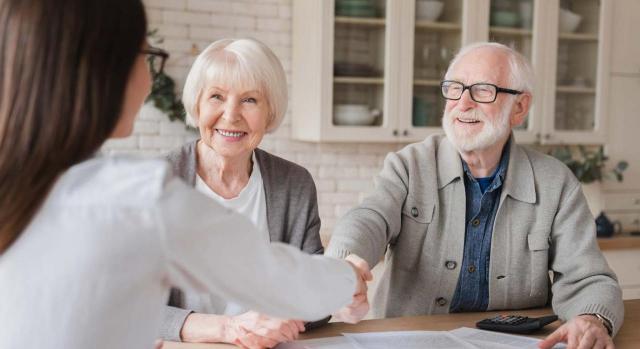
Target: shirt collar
{"x": 499, "y": 173}
{"x": 519, "y": 182}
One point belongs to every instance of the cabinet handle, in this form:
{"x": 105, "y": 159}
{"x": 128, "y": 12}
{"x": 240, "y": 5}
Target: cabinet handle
{"x": 547, "y": 136}
{"x": 405, "y": 133}
{"x": 395, "y": 132}
{"x": 636, "y": 202}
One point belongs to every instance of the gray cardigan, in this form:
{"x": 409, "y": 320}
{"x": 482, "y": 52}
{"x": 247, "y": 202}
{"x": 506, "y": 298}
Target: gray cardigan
{"x": 292, "y": 213}
{"x": 416, "y": 218}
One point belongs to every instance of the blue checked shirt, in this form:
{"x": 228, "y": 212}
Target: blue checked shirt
{"x": 483, "y": 198}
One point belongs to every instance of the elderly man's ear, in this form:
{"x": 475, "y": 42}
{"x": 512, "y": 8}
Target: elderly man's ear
{"x": 520, "y": 109}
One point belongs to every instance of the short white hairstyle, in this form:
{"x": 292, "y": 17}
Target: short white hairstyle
{"x": 520, "y": 71}
{"x": 238, "y": 63}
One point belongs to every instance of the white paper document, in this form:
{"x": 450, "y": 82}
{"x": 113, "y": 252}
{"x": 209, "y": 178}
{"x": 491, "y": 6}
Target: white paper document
{"x": 407, "y": 340}
{"x": 493, "y": 340}
{"x": 461, "y": 338}
{"x": 319, "y": 343}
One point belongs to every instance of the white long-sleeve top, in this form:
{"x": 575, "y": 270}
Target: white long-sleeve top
{"x": 94, "y": 267}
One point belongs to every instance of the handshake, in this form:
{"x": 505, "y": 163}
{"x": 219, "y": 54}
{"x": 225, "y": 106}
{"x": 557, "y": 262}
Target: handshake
{"x": 357, "y": 310}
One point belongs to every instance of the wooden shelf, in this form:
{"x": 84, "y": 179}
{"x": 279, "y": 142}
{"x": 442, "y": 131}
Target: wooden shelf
{"x": 444, "y": 26}
{"x": 364, "y": 21}
{"x": 575, "y": 89}
{"x": 578, "y": 37}
{"x": 510, "y": 31}
{"x": 426, "y": 82}
{"x": 619, "y": 242}
{"x": 358, "y": 80}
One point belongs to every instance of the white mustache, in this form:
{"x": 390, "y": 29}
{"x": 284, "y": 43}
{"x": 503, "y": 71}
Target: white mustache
{"x": 473, "y": 115}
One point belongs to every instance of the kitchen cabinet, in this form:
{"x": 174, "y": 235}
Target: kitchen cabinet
{"x": 369, "y": 70}
{"x": 626, "y": 264}
{"x": 626, "y": 45}
{"x": 622, "y": 199}
{"x": 624, "y": 208}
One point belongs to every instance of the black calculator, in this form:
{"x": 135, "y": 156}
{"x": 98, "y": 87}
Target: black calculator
{"x": 515, "y": 323}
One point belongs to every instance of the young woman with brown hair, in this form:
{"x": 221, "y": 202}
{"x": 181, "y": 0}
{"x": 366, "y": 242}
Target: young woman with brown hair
{"x": 91, "y": 244}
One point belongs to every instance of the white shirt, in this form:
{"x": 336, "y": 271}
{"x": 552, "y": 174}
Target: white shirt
{"x": 94, "y": 267}
{"x": 251, "y": 202}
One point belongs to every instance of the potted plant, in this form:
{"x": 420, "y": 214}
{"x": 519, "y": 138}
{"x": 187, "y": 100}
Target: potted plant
{"x": 589, "y": 167}
{"x": 163, "y": 91}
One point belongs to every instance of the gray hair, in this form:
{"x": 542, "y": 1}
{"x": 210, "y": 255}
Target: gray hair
{"x": 241, "y": 63}
{"x": 520, "y": 71}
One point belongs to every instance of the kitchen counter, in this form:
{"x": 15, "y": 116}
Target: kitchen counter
{"x": 619, "y": 242}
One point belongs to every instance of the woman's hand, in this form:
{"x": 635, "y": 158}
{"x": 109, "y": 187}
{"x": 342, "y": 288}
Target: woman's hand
{"x": 581, "y": 332}
{"x": 253, "y": 330}
{"x": 250, "y": 330}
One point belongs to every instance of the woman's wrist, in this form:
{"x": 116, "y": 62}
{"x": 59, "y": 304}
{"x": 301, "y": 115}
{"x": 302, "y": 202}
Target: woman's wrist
{"x": 205, "y": 328}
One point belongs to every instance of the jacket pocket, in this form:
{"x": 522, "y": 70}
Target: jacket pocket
{"x": 419, "y": 213}
{"x": 538, "y": 244}
{"x": 416, "y": 218}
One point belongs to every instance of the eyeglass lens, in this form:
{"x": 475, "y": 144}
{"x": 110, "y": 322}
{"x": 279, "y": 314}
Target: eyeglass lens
{"x": 479, "y": 92}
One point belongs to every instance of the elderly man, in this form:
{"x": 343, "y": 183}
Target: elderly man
{"x": 474, "y": 222}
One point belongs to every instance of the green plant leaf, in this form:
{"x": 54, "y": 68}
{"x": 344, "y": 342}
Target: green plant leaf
{"x": 590, "y": 165}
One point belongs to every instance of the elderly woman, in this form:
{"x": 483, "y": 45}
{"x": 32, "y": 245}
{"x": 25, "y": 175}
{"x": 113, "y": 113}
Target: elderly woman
{"x": 236, "y": 92}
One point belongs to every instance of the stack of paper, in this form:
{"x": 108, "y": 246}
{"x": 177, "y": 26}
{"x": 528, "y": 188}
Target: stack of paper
{"x": 462, "y": 338}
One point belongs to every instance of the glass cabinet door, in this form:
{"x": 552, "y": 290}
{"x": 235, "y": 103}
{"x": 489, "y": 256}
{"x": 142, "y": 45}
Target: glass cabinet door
{"x": 576, "y": 67}
{"x": 511, "y": 24}
{"x": 359, "y": 63}
{"x": 437, "y": 37}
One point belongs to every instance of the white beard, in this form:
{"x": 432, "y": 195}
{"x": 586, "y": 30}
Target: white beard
{"x": 493, "y": 130}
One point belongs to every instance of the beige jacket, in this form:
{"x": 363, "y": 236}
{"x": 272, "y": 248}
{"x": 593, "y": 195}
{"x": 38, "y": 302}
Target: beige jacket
{"x": 416, "y": 215}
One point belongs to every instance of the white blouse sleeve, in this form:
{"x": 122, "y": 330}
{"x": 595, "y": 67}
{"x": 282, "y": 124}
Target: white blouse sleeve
{"x": 213, "y": 249}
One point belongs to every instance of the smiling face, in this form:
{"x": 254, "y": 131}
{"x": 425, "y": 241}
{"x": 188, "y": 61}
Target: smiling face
{"x": 232, "y": 120}
{"x": 476, "y": 126}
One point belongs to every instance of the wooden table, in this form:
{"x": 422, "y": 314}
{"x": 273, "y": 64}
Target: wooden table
{"x": 627, "y": 338}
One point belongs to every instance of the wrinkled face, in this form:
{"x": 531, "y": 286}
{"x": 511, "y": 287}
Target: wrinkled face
{"x": 475, "y": 126}
{"x": 232, "y": 120}
{"x": 137, "y": 90}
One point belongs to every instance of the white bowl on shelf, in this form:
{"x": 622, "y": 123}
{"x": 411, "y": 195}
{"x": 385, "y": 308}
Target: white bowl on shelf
{"x": 428, "y": 10}
{"x": 354, "y": 115}
{"x": 569, "y": 21}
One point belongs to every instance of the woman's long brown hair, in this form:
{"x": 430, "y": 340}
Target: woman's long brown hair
{"x": 64, "y": 66}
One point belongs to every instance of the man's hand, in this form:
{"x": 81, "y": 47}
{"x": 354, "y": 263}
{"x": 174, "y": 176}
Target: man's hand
{"x": 355, "y": 311}
{"x": 581, "y": 332}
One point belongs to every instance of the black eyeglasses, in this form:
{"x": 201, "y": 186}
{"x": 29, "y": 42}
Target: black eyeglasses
{"x": 155, "y": 58}
{"x": 481, "y": 93}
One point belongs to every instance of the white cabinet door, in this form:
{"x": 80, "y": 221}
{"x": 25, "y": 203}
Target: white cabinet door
{"x": 626, "y": 44}
{"x": 570, "y": 64}
{"x": 576, "y": 74}
{"x": 345, "y": 77}
{"x": 626, "y": 265}
{"x": 624, "y": 131}
{"x": 431, "y": 38}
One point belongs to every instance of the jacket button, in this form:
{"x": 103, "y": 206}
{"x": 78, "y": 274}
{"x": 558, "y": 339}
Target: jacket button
{"x": 475, "y": 222}
{"x": 471, "y": 268}
{"x": 441, "y": 301}
{"x": 414, "y": 212}
{"x": 450, "y": 265}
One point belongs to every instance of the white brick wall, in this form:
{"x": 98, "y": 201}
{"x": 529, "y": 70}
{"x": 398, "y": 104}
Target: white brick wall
{"x": 343, "y": 172}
